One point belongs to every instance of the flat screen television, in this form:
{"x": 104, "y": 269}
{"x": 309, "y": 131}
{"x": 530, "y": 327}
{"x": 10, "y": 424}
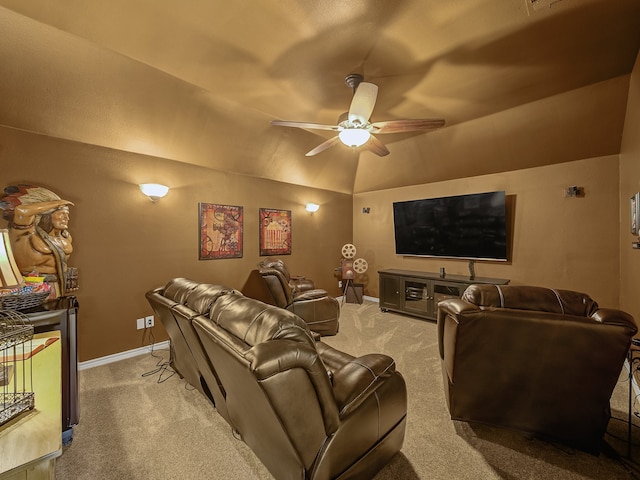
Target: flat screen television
{"x": 470, "y": 227}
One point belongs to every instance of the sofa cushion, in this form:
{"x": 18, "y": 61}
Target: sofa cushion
{"x": 524, "y": 297}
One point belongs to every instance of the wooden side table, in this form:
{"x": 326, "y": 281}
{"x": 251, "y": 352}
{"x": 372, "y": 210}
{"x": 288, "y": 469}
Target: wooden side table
{"x": 30, "y": 443}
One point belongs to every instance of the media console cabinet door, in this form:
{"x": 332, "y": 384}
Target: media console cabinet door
{"x": 390, "y": 288}
{"x": 417, "y": 298}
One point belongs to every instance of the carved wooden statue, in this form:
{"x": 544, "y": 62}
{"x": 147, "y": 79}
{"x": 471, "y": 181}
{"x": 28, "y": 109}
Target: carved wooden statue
{"x": 38, "y": 228}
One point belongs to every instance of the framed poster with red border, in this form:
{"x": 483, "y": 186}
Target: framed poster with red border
{"x": 221, "y": 229}
{"x": 275, "y": 232}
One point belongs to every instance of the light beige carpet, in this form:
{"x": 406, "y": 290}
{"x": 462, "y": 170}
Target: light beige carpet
{"x": 133, "y": 427}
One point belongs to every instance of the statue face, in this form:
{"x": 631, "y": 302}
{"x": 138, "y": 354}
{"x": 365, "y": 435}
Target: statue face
{"x": 60, "y": 219}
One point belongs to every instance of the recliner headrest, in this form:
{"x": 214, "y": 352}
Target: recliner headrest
{"x": 255, "y": 322}
{"x": 525, "y": 297}
{"x": 276, "y": 264}
{"x": 202, "y": 297}
{"x": 278, "y": 285}
{"x": 178, "y": 289}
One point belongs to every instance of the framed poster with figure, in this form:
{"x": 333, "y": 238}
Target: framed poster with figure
{"x": 635, "y": 217}
{"x": 275, "y": 232}
{"x": 221, "y": 228}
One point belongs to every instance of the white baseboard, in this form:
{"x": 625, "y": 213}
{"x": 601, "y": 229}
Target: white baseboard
{"x": 116, "y": 357}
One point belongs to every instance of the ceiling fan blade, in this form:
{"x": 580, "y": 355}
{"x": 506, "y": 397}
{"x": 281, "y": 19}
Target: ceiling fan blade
{"x": 399, "y": 126}
{"x": 317, "y": 126}
{"x": 376, "y": 146}
{"x": 323, "y": 146}
{"x": 363, "y": 102}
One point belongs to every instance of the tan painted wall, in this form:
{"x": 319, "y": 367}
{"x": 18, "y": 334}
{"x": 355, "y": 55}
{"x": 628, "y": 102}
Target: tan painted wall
{"x": 126, "y": 245}
{"x": 629, "y": 185}
{"x": 569, "y": 243}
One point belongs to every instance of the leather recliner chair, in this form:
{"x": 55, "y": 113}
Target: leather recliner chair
{"x": 297, "y": 283}
{"x": 534, "y": 359}
{"x": 307, "y": 410}
{"x": 316, "y": 307}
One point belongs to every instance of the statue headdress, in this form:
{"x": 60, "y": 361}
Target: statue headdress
{"x": 23, "y": 194}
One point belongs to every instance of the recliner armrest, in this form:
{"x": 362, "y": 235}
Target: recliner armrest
{"x": 455, "y": 306}
{"x": 357, "y": 380}
{"x": 321, "y": 314}
{"x": 310, "y": 295}
{"x": 271, "y": 358}
{"x": 611, "y": 316}
{"x": 301, "y": 284}
{"x": 451, "y": 307}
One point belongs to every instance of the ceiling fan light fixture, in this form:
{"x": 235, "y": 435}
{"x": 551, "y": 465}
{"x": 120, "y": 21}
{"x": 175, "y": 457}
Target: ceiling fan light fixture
{"x": 354, "y": 137}
{"x": 354, "y": 128}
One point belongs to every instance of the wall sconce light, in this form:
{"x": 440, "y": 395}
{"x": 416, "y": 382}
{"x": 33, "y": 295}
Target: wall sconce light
{"x": 312, "y": 207}
{"x": 10, "y": 275}
{"x": 154, "y": 191}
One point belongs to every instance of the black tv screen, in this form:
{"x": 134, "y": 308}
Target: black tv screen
{"x": 463, "y": 226}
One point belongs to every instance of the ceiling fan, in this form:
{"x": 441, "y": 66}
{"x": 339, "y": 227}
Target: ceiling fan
{"x": 354, "y": 128}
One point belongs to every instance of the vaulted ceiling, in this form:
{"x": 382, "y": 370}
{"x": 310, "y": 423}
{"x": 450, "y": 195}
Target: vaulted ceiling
{"x": 521, "y": 83}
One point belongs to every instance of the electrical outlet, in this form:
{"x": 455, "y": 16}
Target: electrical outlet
{"x": 140, "y": 323}
{"x": 148, "y": 321}
{"x": 339, "y": 283}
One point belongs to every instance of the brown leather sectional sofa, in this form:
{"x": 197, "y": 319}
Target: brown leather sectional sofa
{"x": 534, "y": 359}
{"x": 307, "y": 410}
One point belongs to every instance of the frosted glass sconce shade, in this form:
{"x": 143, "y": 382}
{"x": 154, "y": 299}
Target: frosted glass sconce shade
{"x": 154, "y": 191}
{"x": 312, "y": 207}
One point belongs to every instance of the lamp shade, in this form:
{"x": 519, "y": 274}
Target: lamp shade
{"x": 154, "y": 191}
{"x": 10, "y": 276}
{"x": 354, "y": 137}
{"x": 312, "y": 207}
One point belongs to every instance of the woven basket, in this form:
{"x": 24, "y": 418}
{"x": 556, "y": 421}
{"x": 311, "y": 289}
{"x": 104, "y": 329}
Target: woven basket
{"x": 22, "y": 301}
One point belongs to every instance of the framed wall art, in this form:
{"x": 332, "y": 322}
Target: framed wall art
{"x": 221, "y": 228}
{"x": 635, "y": 214}
{"x": 275, "y": 232}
